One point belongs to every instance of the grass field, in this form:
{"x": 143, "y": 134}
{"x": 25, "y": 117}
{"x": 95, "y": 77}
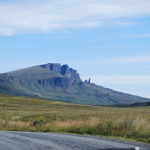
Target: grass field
{"x": 32, "y": 114}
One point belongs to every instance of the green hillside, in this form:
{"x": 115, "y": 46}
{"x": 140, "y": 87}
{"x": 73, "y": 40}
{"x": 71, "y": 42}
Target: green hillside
{"x": 32, "y": 74}
{"x": 4, "y": 78}
{"x": 10, "y": 87}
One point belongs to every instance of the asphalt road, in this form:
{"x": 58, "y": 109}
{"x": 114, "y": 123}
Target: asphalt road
{"x": 53, "y": 141}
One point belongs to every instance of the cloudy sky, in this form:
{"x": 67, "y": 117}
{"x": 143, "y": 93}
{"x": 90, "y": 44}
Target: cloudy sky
{"x": 105, "y": 40}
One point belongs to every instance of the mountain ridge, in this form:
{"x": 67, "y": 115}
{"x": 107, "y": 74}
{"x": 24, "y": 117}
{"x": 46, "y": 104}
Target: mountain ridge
{"x": 61, "y": 83}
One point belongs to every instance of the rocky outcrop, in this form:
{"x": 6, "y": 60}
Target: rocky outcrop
{"x": 69, "y": 72}
{"x": 63, "y": 70}
{"x": 56, "y": 82}
{"x": 53, "y": 67}
{"x": 89, "y": 81}
{"x": 85, "y": 81}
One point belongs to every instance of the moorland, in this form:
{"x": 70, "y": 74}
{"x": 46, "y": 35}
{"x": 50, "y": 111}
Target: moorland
{"x": 40, "y": 115}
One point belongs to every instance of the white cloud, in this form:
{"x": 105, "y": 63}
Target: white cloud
{"x": 47, "y": 16}
{"x": 124, "y": 23}
{"x": 118, "y": 79}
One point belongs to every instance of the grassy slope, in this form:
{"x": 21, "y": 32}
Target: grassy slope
{"x": 9, "y": 88}
{"x": 4, "y": 78}
{"x": 33, "y": 74}
{"x": 32, "y": 114}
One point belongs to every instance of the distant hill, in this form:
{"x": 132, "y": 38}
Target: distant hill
{"x": 61, "y": 83}
{"x": 141, "y": 104}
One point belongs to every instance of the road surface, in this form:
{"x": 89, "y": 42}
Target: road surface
{"x": 54, "y": 141}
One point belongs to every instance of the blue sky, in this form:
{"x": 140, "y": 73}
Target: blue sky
{"x": 105, "y": 40}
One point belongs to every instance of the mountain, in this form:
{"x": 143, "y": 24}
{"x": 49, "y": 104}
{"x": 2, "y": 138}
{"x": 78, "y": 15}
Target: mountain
{"x": 60, "y": 83}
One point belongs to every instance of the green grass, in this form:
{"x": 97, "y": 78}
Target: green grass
{"x": 33, "y": 114}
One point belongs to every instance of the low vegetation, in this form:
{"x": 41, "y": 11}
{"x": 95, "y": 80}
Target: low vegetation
{"x": 38, "y": 115}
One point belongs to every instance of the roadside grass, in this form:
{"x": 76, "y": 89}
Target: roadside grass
{"x": 39, "y": 115}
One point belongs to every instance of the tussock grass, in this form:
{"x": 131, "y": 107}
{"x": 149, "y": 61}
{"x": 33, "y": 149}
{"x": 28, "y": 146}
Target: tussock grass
{"x": 31, "y": 114}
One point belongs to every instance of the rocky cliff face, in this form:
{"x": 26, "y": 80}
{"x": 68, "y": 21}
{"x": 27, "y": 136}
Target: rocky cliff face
{"x": 63, "y": 70}
{"x": 56, "y": 82}
{"x": 53, "y": 67}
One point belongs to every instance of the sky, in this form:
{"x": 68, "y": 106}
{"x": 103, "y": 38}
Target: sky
{"x": 105, "y": 40}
